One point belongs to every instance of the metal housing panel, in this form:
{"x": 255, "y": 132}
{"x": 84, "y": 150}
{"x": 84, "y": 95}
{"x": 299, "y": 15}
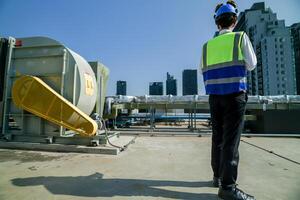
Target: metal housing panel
{"x": 60, "y": 68}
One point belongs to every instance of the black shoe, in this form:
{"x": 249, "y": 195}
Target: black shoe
{"x": 234, "y": 194}
{"x": 216, "y": 182}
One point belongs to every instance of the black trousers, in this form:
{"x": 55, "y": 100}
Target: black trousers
{"x": 227, "y": 117}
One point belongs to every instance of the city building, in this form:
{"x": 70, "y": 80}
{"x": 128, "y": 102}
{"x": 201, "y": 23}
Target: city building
{"x": 121, "y": 88}
{"x": 189, "y": 82}
{"x": 271, "y": 39}
{"x": 295, "y": 32}
{"x": 171, "y": 85}
{"x": 156, "y": 88}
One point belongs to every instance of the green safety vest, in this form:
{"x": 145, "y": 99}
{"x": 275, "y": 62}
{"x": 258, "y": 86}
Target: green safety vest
{"x": 223, "y": 64}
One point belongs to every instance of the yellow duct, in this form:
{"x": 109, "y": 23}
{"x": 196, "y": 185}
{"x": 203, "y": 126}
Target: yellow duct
{"x": 35, "y": 96}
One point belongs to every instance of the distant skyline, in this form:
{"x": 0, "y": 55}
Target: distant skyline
{"x": 121, "y": 88}
{"x": 189, "y": 82}
{"x": 139, "y": 41}
{"x": 171, "y": 85}
{"x": 156, "y": 88}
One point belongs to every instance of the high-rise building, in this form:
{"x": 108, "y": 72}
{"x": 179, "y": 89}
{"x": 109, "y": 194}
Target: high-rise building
{"x": 271, "y": 39}
{"x": 171, "y": 85}
{"x": 295, "y": 32}
{"x": 121, "y": 88}
{"x": 189, "y": 82}
{"x": 156, "y": 88}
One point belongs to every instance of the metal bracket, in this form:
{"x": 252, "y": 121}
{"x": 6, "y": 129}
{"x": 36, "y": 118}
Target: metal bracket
{"x": 8, "y": 137}
{"x": 49, "y": 140}
{"x": 95, "y": 143}
{"x": 266, "y": 102}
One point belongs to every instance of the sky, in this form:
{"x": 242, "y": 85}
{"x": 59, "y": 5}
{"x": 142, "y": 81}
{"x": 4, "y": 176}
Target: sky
{"x": 138, "y": 40}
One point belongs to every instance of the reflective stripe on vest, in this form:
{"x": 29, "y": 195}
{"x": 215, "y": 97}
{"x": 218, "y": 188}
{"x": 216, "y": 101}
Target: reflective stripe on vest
{"x": 223, "y": 65}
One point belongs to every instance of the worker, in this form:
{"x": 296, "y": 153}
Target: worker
{"x": 225, "y": 61}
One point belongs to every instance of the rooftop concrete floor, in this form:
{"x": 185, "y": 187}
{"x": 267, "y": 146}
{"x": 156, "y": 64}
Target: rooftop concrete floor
{"x": 152, "y": 168}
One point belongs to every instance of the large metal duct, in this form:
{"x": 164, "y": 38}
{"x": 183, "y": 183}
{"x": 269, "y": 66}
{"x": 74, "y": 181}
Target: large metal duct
{"x": 62, "y": 69}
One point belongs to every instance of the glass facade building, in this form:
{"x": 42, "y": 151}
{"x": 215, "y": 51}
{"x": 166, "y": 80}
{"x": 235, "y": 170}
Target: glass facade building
{"x": 189, "y": 82}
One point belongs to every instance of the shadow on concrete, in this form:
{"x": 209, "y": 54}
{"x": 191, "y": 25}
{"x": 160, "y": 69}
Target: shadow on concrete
{"x": 96, "y": 186}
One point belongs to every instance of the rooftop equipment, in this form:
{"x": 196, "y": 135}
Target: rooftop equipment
{"x": 50, "y": 92}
